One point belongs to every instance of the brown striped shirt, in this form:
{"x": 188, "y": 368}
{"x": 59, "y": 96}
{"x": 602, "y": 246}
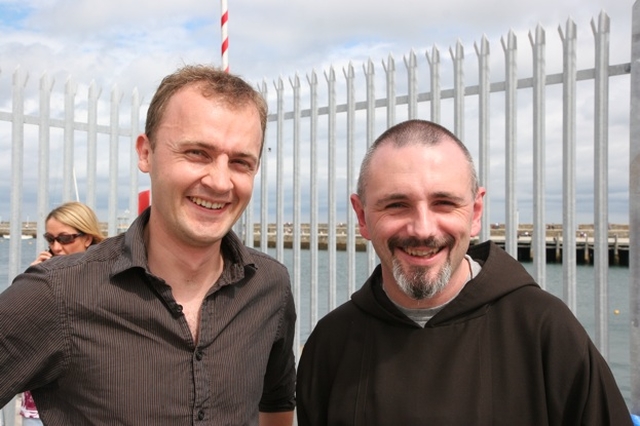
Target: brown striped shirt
{"x": 101, "y": 341}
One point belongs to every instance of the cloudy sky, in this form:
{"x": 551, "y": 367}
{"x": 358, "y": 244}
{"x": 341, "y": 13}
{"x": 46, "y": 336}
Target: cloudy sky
{"x": 133, "y": 44}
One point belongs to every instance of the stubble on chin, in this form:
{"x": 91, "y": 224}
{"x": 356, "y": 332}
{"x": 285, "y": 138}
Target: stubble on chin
{"x": 416, "y": 282}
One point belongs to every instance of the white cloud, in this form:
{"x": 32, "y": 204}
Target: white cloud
{"x": 134, "y": 44}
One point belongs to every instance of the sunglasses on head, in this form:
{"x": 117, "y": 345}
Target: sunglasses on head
{"x": 62, "y": 238}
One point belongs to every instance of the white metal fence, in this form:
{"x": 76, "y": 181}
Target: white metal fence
{"x": 319, "y": 131}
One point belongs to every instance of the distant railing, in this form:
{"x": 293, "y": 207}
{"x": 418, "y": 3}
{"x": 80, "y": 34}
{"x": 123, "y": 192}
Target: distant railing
{"x": 310, "y": 165}
{"x": 342, "y": 143}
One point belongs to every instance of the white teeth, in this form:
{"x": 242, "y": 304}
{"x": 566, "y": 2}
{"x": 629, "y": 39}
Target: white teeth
{"x": 207, "y": 204}
{"x": 421, "y": 253}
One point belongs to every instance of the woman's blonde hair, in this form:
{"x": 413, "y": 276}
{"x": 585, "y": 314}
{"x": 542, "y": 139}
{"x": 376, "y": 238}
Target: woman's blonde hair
{"x": 80, "y": 217}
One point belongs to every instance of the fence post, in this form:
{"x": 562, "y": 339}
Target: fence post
{"x": 390, "y": 70}
{"x": 349, "y": 74}
{"x": 412, "y": 65}
{"x": 295, "y": 85}
{"x": 44, "y": 143}
{"x": 279, "y": 86}
{"x": 17, "y": 171}
{"x": 457, "y": 56}
{"x": 484, "y": 114}
{"x": 133, "y": 160}
{"x": 434, "y": 74}
{"x": 17, "y": 167}
{"x": 331, "y": 191}
{"x": 264, "y": 190}
{"x": 114, "y": 143}
{"x": 539, "y": 238}
{"x": 313, "y": 226}
{"x": 569, "y": 164}
{"x": 601, "y": 183}
{"x": 92, "y": 143}
{"x": 510, "y": 47}
{"x": 369, "y": 72}
{"x": 634, "y": 210}
{"x": 69, "y": 185}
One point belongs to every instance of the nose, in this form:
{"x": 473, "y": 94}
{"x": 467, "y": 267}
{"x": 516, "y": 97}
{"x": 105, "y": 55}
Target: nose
{"x": 218, "y": 175}
{"x": 55, "y": 247}
{"x": 423, "y": 223}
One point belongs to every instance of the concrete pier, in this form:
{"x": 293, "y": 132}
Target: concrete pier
{"x": 618, "y": 239}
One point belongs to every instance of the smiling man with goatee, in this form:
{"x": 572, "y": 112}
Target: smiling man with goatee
{"x": 443, "y": 333}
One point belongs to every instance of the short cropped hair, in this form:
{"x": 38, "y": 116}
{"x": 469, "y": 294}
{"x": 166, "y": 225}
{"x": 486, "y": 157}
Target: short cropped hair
{"x": 214, "y": 83}
{"x": 419, "y": 132}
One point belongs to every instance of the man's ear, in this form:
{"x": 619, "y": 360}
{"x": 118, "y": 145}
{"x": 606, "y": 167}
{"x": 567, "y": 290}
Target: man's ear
{"x": 143, "y": 147}
{"x": 358, "y": 208}
{"x": 478, "y": 208}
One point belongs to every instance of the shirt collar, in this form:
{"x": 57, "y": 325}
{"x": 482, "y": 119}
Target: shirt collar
{"x": 134, "y": 255}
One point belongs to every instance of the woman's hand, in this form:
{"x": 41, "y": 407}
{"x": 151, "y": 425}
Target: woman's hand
{"x": 44, "y": 255}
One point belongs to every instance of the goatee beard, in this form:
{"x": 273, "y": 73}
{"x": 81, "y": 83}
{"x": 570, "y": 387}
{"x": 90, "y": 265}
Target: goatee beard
{"x": 415, "y": 282}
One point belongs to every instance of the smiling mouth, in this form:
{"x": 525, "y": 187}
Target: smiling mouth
{"x": 426, "y": 248}
{"x": 420, "y": 252}
{"x": 206, "y": 204}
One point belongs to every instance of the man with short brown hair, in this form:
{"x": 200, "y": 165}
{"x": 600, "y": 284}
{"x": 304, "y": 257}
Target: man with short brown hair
{"x": 174, "y": 322}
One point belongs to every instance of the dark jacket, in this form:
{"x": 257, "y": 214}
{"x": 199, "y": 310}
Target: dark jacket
{"x": 503, "y": 352}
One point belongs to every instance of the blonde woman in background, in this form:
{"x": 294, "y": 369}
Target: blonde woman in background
{"x": 70, "y": 228}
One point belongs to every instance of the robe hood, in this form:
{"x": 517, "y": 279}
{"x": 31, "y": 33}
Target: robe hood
{"x": 488, "y": 287}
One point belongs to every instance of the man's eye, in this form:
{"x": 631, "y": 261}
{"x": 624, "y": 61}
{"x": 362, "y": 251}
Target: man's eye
{"x": 244, "y": 164}
{"x": 195, "y": 153}
{"x": 395, "y": 205}
{"x": 445, "y": 203}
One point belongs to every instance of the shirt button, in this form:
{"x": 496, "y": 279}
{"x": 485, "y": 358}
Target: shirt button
{"x": 179, "y": 309}
{"x": 199, "y": 355}
{"x": 200, "y": 415}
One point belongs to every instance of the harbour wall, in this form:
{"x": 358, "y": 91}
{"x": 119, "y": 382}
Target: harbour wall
{"x": 618, "y": 239}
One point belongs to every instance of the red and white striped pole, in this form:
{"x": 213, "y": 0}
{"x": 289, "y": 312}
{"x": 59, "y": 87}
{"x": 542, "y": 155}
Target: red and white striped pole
{"x": 224, "y": 19}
